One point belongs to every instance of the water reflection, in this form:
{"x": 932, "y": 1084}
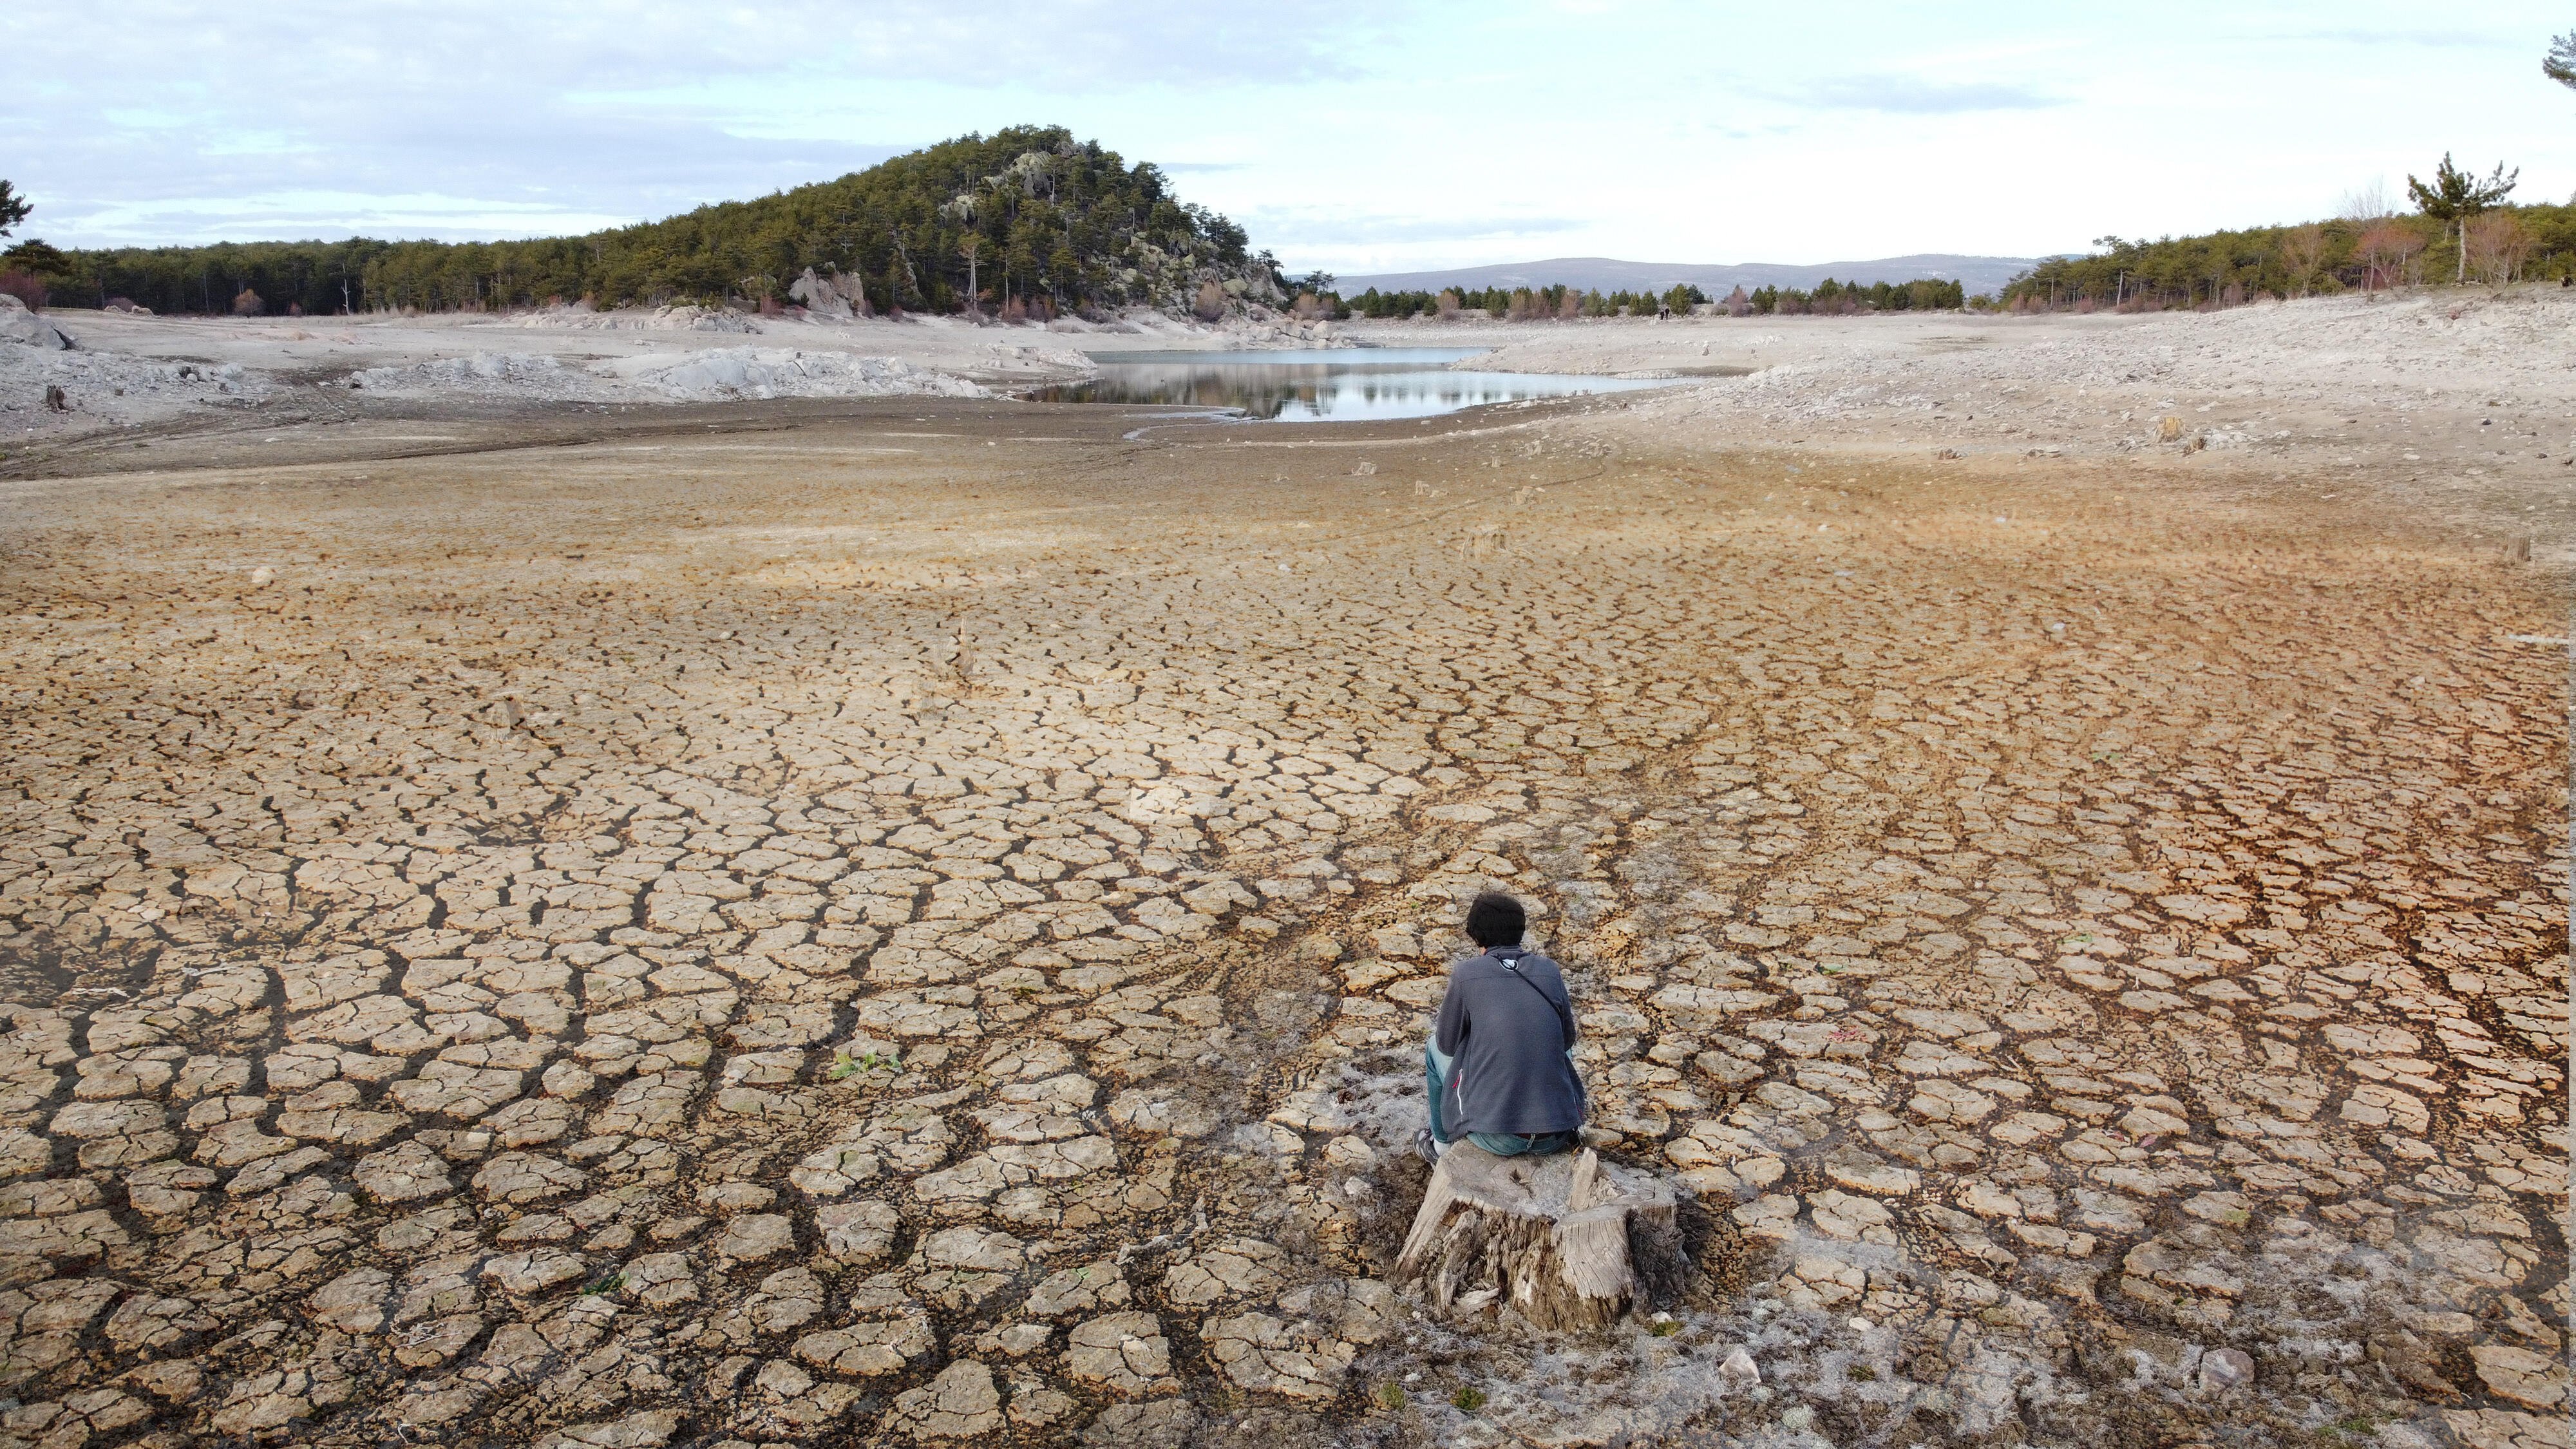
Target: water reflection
{"x": 1344, "y": 385}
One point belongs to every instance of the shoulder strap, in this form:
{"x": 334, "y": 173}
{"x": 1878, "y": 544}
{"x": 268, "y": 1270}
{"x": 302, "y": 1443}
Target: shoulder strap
{"x": 1582, "y": 1092}
{"x": 1552, "y": 1003}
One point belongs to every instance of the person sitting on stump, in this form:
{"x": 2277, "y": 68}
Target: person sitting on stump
{"x": 1499, "y": 1067}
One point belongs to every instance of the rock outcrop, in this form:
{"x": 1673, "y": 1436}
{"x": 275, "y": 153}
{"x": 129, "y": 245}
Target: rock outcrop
{"x": 32, "y": 329}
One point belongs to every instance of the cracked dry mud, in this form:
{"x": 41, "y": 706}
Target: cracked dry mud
{"x": 917, "y": 928}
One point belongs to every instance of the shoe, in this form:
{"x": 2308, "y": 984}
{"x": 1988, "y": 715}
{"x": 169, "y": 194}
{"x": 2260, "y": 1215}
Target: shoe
{"x": 1426, "y": 1146}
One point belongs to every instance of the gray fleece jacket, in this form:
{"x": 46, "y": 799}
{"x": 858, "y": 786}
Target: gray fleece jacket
{"x": 1507, "y": 1025}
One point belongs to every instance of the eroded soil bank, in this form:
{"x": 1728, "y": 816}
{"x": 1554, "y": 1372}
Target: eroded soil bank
{"x": 841, "y": 923}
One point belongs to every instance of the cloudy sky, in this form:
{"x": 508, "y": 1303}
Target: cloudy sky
{"x": 1357, "y": 137}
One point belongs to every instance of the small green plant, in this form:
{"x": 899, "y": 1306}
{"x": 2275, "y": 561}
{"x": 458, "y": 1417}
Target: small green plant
{"x": 846, "y": 1065}
{"x": 1667, "y": 1328}
{"x": 1391, "y": 1395}
{"x": 609, "y": 1284}
{"x": 1468, "y": 1400}
{"x": 1860, "y": 1373}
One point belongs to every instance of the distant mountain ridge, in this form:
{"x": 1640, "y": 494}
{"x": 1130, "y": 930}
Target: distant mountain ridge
{"x": 1609, "y": 274}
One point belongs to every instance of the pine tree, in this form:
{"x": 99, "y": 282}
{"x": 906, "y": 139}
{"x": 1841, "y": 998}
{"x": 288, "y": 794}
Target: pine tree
{"x": 2457, "y": 195}
{"x": 13, "y": 209}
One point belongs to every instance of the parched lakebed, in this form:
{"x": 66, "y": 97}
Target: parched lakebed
{"x": 914, "y": 921}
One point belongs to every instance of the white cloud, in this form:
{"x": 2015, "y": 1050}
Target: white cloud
{"x": 292, "y": 214}
{"x": 1313, "y": 227}
{"x": 1916, "y": 95}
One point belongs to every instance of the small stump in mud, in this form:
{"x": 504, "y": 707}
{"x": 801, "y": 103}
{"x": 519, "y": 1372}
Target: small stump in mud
{"x": 1564, "y": 1241}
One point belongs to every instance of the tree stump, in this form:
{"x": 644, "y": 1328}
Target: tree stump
{"x": 1562, "y": 1240}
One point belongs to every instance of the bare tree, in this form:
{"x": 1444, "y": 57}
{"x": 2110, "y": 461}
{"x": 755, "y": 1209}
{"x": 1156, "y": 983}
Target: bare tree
{"x": 1211, "y": 302}
{"x": 2395, "y": 248}
{"x": 2303, "y": 250}
{"x": 2496, "y": 245}
{"x": 2367, "y": 203}
{"x": 968, "y": 248}
{"x": 2384, "y": 247}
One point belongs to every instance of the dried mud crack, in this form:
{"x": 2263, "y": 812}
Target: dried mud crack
{"x": 915, "y": 923}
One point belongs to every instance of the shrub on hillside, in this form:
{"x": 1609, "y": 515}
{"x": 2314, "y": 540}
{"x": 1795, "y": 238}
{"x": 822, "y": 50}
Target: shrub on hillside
{"x": 2386, "y": 251}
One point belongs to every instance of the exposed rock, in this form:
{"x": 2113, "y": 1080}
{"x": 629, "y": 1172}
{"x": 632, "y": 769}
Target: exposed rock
{"x": 2226, "y": 1368}
{"x": 29, "y": 329}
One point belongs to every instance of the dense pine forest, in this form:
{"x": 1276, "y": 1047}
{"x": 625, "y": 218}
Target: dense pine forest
{"x": 1035, "y": 221}
{"x": 2505, "y": 244}
{"x": 1534, "y": 304}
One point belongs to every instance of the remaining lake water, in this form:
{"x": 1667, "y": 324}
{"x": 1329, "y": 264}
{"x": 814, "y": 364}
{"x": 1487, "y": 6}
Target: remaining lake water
{"x": 1341, "y": 385}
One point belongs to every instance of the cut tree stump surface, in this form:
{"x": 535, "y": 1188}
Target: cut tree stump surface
{"x": 1561, "y": 1239}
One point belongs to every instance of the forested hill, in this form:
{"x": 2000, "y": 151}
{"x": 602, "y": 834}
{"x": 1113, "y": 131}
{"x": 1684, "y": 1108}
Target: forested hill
{"x": 1054, "y": 224}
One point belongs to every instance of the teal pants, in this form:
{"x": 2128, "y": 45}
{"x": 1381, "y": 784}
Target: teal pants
{"x": 1435, "y": 1070}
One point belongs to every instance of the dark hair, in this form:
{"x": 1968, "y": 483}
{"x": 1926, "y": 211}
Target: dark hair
{"x": 1495, "y": 919}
